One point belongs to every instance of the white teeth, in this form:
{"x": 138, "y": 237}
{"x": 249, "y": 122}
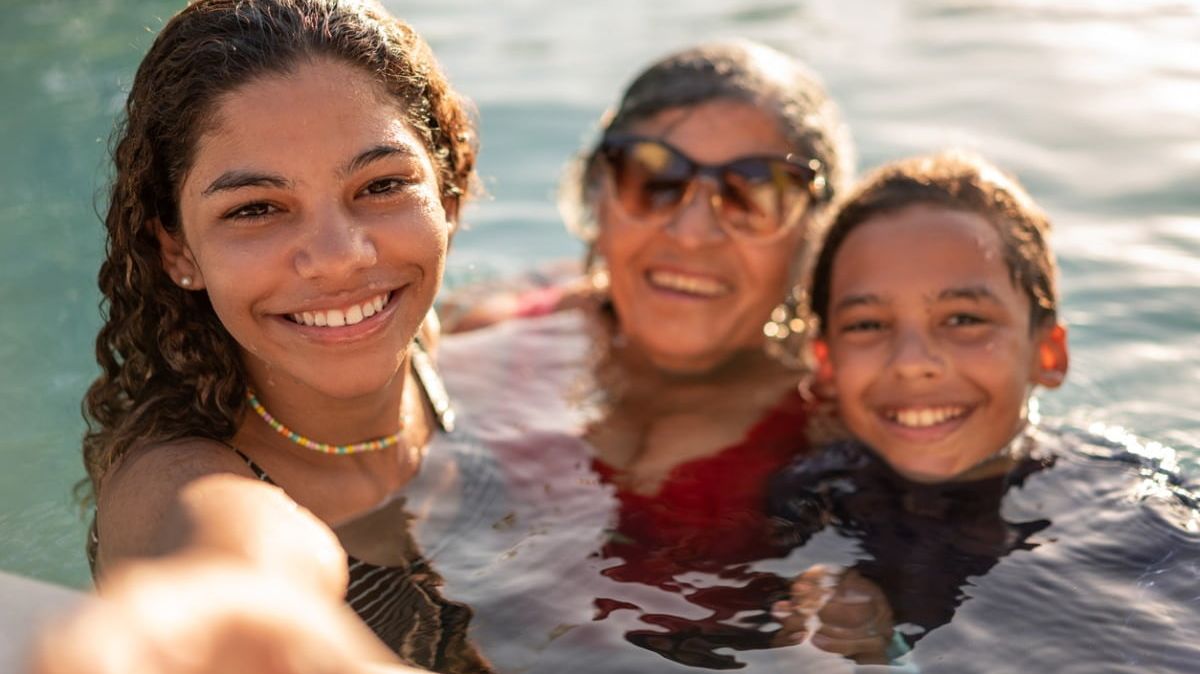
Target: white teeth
{"x": 693, "y": 285}
{"x": 336, "y": 318}
{"x": 924, "y": 417}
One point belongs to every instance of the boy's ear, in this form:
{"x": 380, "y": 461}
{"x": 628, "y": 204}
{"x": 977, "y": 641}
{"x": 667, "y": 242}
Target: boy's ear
{"x": 177, "y": 258}
{"x": 1050, "y": 366}
{"x": 824, "y": 374}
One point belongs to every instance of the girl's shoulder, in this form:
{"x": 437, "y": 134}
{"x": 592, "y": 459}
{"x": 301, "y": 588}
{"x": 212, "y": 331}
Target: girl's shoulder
{"x": 138, "y": 496}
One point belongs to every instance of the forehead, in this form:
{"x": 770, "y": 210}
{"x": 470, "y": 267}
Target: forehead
{"x": 717, "y": 130}
{"x": 320, "y": 109}
{"x": 922, "y": 250}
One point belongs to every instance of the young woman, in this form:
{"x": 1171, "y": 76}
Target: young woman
{"x": 288, "y": 174}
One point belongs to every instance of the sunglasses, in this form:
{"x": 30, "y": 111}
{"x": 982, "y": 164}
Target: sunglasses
{"x": 755, "y": 196}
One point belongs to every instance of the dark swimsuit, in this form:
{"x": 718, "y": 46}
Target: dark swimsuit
{"x": 401, "y": 604}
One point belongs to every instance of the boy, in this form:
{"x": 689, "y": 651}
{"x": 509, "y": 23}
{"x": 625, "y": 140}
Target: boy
{"x": 935, "y": 295}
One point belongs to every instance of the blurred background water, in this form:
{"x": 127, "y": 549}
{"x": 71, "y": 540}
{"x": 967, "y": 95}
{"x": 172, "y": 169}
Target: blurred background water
{"x": 1093, "y": 104}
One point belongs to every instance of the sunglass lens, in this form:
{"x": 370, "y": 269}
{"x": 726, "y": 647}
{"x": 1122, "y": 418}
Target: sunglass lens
{"x": 650, "y": 178}
{"x": 760, "y": 196}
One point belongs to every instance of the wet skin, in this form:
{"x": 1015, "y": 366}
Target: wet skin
{"x": 929, "y": 344}
{"x": 331, "y": 213}
{"x": 688, "y": 294}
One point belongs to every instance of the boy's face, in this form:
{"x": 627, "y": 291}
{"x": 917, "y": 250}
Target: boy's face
{"x": 929, "y": 345}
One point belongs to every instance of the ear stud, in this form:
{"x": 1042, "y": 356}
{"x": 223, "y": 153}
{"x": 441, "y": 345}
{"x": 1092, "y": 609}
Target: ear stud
{"x": 185, "y": 281}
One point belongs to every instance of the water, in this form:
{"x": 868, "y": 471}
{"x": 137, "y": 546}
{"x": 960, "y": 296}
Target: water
{"x": 1085, "y": 558}
{"x": 1094, "y": 105}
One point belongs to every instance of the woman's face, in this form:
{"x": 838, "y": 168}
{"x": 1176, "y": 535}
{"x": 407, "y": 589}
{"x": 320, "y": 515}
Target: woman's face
{"x": 312, "y": 218}
{"x": 687, "y": 293}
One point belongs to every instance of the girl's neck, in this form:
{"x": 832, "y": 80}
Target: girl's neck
{"x": 395, "y": 408}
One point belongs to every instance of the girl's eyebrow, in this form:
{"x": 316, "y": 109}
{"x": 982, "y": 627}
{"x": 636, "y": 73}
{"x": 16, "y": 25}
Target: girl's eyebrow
{"x": 377, "y": 153}
{"x": 237, "y": 179}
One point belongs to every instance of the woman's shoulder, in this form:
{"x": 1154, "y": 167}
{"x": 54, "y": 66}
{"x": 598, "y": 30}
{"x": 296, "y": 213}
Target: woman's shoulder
{"x": 545, "y": 290}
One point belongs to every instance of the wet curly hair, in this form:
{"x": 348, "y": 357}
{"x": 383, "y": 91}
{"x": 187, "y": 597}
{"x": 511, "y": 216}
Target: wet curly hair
{"x": 169, "y": 369}
{"x": 961, "y": 181}
{"x": 741, "y": 71}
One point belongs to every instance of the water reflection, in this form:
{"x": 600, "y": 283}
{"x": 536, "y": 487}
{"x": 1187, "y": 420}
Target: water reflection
{"x": 1083, "y": 555}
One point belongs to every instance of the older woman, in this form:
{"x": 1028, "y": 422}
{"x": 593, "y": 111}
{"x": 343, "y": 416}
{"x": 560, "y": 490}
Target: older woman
{"x": 696, "y": 203}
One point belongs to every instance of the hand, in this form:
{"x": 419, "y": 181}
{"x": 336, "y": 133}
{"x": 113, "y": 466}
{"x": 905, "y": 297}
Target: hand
{"x": 841, "y": 613}
{"x": 188, "y": 615}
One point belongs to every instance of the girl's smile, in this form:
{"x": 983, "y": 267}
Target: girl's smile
{"x": 319, "y": 238}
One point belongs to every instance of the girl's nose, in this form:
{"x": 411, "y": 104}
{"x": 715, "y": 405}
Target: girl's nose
{"x": 337, "y": 247}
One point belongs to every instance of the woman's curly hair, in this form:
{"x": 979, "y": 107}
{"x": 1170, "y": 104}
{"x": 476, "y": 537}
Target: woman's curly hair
{"x": 169, "y": 369}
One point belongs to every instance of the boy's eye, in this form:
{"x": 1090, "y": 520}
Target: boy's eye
{"x": 253, "y": 211}
{"x": 962, "y": 320}
{"x": 863, "y": 325}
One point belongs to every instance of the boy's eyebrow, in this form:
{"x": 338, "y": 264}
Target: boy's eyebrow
{"x": 977, "y": 293}
{"x": 860, "y": 299}
{"x": 381, "y": 151}
{"x": 232, "y": 180}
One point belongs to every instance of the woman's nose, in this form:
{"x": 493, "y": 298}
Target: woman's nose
{"x": 696, "y": 223}
{"x": 336, "y": 247}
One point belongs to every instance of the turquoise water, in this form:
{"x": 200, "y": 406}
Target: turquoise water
{"x": 1094, "y": 105}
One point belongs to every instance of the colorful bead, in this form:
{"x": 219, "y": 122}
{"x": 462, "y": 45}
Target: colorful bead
{"x": 368, "y": 446}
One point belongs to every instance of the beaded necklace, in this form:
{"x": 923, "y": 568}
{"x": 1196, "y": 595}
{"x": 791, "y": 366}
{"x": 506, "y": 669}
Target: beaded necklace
{"x": 324, "y": 447}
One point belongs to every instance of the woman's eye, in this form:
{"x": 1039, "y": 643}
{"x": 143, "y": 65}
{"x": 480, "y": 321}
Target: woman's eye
{"x": 250, "y": 211}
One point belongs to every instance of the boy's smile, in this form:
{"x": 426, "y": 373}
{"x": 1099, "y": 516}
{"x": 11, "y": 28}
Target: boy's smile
{"x": 929, "y": 344}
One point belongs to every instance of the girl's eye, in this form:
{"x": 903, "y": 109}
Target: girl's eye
{"x": 250, "y": 211}
{"x": 384, "y": 186}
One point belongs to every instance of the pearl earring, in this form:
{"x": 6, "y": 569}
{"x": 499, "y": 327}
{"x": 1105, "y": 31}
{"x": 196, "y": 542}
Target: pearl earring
{"x": 185, "y": 281}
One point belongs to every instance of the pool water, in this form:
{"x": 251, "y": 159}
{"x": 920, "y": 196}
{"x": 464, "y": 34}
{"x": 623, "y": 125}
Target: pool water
{"x": 1093, "y": 104}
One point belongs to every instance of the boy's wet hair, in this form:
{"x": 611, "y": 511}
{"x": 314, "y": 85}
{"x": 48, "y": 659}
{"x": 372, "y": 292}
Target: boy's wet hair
{"x": 963, "y": 182}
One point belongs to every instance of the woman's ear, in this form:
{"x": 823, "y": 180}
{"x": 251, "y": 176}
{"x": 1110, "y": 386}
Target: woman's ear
{"x": 1051, "y": 360}
{"x": 177, "y": 259}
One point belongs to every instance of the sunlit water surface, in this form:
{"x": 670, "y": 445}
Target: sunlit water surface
{"x": 1095, "y": 106}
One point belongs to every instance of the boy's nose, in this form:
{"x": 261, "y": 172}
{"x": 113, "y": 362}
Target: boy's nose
{"x": 337, "y": 247}
{"x": 915, "y": 356}
{"x": 696, "y": 224}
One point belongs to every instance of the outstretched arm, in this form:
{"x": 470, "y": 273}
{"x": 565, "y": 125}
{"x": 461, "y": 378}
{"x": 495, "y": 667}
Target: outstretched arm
{"x": 204, "y": 570}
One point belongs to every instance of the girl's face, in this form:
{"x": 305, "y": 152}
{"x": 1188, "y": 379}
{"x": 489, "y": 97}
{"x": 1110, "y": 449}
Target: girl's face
{"x": 929, "y": 343}
{"x": 312, "y": 218}
{"x": 689, "y": 294}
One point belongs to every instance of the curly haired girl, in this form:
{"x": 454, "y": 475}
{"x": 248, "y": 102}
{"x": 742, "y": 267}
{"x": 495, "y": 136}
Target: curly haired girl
{"x": 288, "y": 176}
